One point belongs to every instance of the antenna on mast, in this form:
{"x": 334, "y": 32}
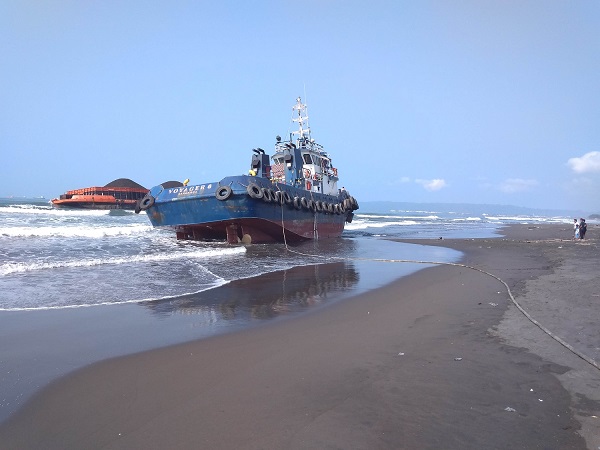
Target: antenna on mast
{"x": 305, "y": 97}
{"x": 302, "y": 119}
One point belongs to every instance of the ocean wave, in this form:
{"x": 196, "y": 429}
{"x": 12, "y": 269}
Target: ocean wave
{"x": 362, "y": 225}
{"x": 215, "y": 284}
{"x": 527, "y": 219}
{"x": 74, "y": 231}
{"x": 467, "y": 219}
{"x": 396, "y": 216}
{"x": 51, "y": 211}
{"x": 11, "y": 268}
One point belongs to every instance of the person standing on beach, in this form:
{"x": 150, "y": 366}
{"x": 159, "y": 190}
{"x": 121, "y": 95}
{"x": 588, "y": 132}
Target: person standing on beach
{"x": 576, "y": 231}
{"x": 575, "y": 226}
{"x": 582, "y": 228}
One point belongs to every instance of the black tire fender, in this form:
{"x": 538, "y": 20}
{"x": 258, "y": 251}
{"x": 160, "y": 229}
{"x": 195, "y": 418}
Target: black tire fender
{"x": 287, "y": 198}
{"x": 267, "y": 195}
{"x": 146, "y": 202}
{"x": 278, "y": 197}
{"x": 254, "y": 191}
{"x": 223, "y": 192}
{"x": 297, "y": 202}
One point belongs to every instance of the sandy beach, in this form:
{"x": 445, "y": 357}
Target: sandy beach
{"x": 438, "y": 359}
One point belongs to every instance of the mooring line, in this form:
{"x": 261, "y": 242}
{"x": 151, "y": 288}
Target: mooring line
{"x": 568, "y": 346}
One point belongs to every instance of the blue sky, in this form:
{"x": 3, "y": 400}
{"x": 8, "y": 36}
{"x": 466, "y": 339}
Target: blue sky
{"x": 431, "y": 101}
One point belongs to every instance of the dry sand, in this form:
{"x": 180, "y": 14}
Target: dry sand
{"x": 439, "y": 359}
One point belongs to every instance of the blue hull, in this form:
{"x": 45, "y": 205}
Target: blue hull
{"x": 250, "y": 210}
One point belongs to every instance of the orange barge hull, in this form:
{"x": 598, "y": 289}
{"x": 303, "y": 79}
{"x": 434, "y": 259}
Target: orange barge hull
{"x": 120, "y": 194}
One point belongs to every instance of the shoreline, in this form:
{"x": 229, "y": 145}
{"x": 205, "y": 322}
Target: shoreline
{"x": 59, "y": 341}
{"x": 377, "y": 370}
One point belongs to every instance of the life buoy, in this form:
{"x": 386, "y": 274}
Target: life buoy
{"x": 254, "y": 191}
{"x": 223, "y": 192}
{"x": 306, "y": 173}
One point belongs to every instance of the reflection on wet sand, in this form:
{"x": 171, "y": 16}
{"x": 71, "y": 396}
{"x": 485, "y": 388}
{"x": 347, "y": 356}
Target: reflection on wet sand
{"x": 266, "y": 296}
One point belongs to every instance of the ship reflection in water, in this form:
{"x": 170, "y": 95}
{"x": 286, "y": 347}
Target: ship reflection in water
{"x": 267, "y": 296}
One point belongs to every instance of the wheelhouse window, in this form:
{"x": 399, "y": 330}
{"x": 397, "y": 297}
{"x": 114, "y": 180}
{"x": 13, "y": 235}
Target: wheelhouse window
{"x": 306, "y": 158}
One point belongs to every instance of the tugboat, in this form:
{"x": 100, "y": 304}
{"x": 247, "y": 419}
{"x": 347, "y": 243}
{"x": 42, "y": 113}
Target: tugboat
{"x": 118, "y": 194}
{"x": 288, "y": 198}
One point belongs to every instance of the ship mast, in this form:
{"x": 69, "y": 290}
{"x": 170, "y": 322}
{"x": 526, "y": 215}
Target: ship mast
{"x": 300, "y": 115}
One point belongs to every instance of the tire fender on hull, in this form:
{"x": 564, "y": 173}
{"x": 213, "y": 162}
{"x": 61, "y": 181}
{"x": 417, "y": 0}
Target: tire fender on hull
{"x": 254, "y": 191}
{"x": 267, "y": 195}
{"x": 223, "y": 192}
{"x": 146, "y": 202}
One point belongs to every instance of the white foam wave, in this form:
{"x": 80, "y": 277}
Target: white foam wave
{"x": 467, "y": 219}
{"x": 10, "y": 268}
{"x": 51, "y": 211}
{"x": 74, "y": 231}
{"x": 413, "y": 211}
{"x": 362, "y": 225}
{"x": 216, "y": 284}
{"x": 528, "y": 219}
{"x": 399, "y": 217}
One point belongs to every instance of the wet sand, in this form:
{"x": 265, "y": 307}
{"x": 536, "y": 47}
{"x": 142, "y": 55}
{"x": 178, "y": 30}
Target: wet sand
{"x": 438, "y": 359}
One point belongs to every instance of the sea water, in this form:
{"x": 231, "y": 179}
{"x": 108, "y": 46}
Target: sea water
{"x": 81, "y": 286}
{"x": 59, "y": 258}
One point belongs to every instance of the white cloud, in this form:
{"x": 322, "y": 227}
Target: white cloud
{"x": 590, "y": 162}
{"x": 513, "y": 185}
{"x": 432, "y": 185}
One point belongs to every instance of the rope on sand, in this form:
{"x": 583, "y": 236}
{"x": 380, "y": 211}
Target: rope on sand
{"x": 512, "y": 298}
